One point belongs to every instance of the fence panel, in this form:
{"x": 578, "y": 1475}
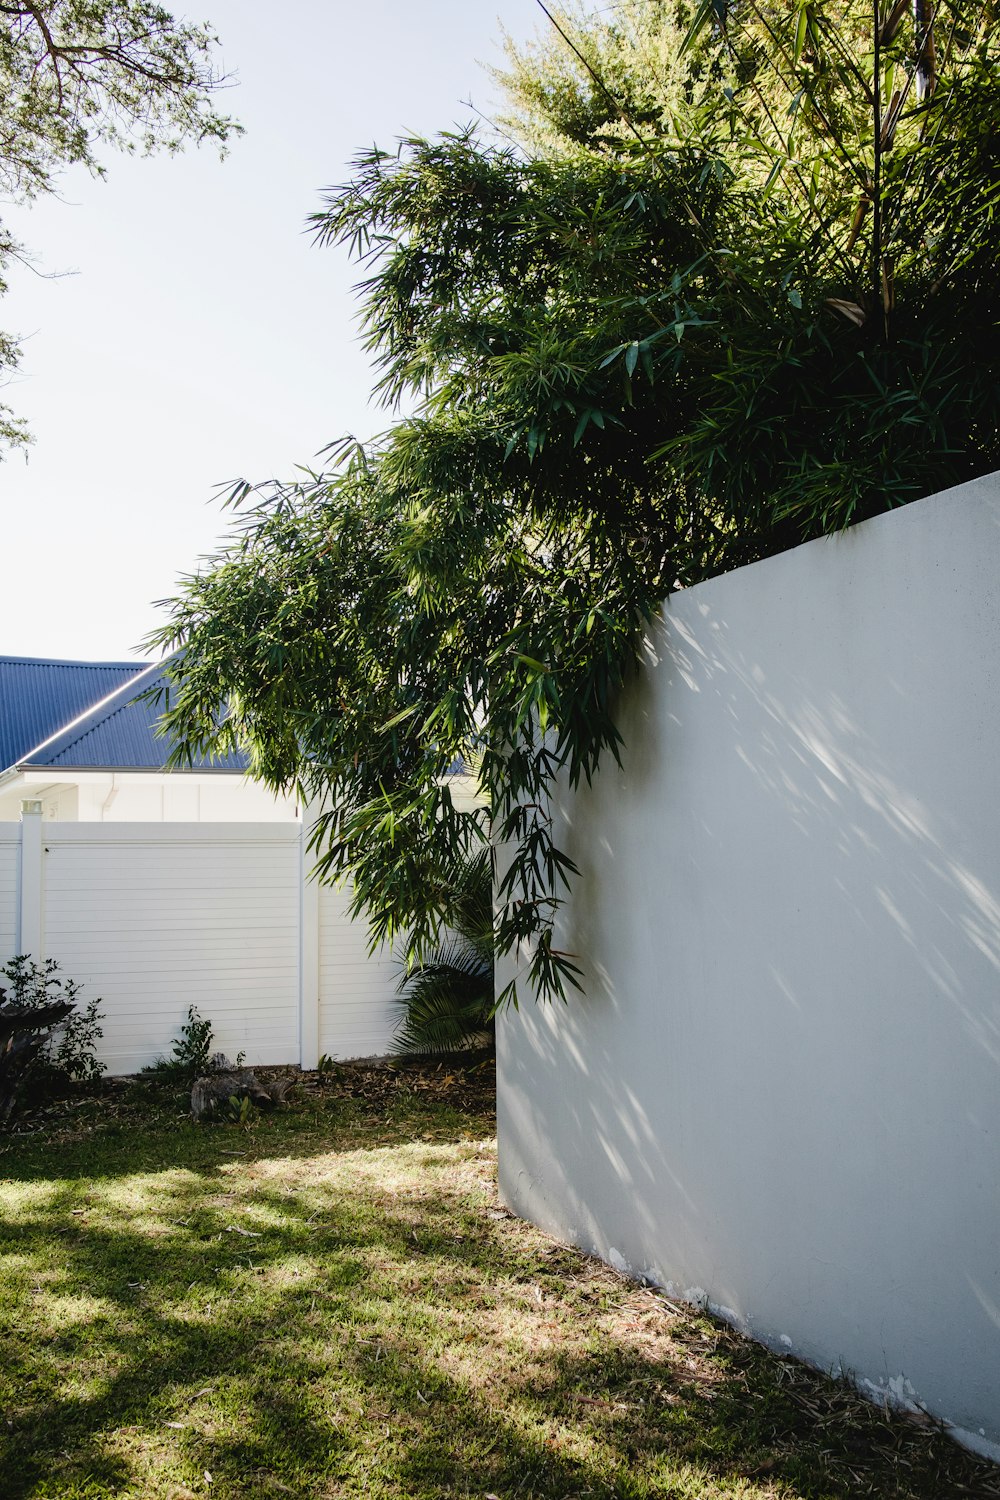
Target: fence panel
{"x": 157, "y": 917}
{"x": 358, "y": 1007}
{"x": 10, "y": 858}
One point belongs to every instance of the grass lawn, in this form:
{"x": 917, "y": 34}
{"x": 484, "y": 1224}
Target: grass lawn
{"x": 332, "y": 1303}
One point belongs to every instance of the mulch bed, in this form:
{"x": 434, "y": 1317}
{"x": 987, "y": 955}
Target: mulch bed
{"x": 467, "y": 1084}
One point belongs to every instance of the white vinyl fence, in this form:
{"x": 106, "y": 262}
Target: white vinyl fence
{"x": 155, "y": 917}
{"x": 10, "y": 861}
{"x": 780, "y": 1094}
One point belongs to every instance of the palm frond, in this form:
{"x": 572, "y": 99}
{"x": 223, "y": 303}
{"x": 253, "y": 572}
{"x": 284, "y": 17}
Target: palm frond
{"x": 448, "y": 999}
{"x": 447, "y": 1007}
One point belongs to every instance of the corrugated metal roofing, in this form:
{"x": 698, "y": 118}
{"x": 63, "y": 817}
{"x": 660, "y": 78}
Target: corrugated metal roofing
{"x": 119, "y": 734}
{"x": 38, "y": 697}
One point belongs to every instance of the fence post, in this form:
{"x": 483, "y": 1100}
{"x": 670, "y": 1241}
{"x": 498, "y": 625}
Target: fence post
{"x": 30, "y": 893}
{"x": 308, "y": 953}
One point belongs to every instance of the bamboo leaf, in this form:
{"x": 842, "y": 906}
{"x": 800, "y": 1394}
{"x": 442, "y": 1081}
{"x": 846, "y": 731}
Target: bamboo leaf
{"x": 801, "y": 32}
{"x": 703, "y": 16}
{"x": 400, "y": 718}
{"x": 773, "y": 176}
{"x": 852, "y": 311}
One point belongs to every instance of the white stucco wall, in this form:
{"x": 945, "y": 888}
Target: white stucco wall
{"x": 781, "y": 1091}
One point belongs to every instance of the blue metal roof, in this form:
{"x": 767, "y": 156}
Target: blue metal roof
{"x": 119, "y": 733}
{"x": 38, "y": 697}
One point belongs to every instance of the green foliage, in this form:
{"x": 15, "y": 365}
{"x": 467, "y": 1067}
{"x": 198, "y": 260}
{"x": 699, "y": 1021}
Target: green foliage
{"x": 69, "y": 1055}
{"x": 447, "y": 993}
{"x": 241, "y": 1110}
{"x": 473, "y": 586}
{"x": 73, "y": 1054}
{"x": 763, "y": 305}
{"x": 865, "y": 153}
{"x": 845, "y": 359}
{"x": 193, "y": 1048}
{"x": 596, "y": 78}
{"x": 191, "y": 1052}
{"x": 48, "y": 1038}
{"x": 78, "y": 75}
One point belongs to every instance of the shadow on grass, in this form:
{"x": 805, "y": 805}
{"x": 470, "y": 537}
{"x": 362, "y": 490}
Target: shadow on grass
{"x": 341, "y": 1309}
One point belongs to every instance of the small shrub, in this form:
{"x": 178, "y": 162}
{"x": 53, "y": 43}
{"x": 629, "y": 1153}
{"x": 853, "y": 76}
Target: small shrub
{"x": 241, "y": 1110}
{"x": 34, "y": 985}
{"x": 191, "y": 1053}
{"x": 193, "y": 1047}
{"x": 49, "y": 1041}
{"x": 74, "y": 1054}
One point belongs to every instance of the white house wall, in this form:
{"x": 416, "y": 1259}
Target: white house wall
{"x": 145, "y": 797}
{"x": 780, "y": 1093}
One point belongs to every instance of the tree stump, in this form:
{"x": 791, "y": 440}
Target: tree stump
{"x": 227, "y": 1083}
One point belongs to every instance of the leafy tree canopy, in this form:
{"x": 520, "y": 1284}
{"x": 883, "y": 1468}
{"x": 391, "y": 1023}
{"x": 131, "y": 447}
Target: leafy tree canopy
{"x": 699, "y": 320}
{"x": 76, "y": 75}
{"x": 601, "y": 78}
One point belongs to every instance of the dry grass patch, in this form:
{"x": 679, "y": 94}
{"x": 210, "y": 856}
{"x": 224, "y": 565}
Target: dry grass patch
{"x": 333, "y": 1304}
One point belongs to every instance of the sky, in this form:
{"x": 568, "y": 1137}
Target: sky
{"x": 179, "y": 328}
